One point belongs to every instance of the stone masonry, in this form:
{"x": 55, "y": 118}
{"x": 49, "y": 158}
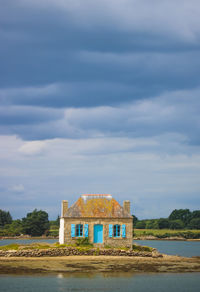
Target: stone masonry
{"x": 97, "y": 210}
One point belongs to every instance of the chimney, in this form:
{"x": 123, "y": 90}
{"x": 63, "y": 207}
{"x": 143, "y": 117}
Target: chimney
{"x": 126, "y": 206}
{"x": 64, "y": 207}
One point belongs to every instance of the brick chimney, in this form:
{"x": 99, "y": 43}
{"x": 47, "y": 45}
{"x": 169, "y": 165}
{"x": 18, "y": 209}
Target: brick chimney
{"x": 64, "y": 207}
{"x": 126, "y": 206}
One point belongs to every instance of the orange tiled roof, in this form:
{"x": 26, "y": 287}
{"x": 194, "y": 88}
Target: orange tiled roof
{"x": 96, "y": 205}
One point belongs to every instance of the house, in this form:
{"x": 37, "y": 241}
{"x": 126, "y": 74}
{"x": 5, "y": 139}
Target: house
{"x": 100, "y": 218}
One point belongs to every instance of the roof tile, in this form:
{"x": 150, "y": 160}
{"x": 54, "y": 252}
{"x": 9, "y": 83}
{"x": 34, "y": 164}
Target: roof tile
{"x": 96, "y": 205}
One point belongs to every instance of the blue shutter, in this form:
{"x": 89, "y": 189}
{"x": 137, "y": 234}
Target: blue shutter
{"x": 110, "y": 230}
{"x": 86, "y": 230}
{"x": 72, "y": 230}
{"x": 123, "y": 230}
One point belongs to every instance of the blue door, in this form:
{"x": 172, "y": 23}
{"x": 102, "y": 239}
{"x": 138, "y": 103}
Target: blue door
{"x": 98, "y": 233}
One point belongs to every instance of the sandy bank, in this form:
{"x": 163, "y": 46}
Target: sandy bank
{"x": 92, "y": 264}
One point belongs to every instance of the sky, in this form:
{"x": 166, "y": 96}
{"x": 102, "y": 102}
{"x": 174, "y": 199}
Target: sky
{"x": 100, "y": 97}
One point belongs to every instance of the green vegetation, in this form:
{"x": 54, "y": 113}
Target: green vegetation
{"x": 5, "y": 218}
{"x": 54, "y": 227}
{"x": 166, "y": 233}
{"x": 185, "y": 223}
{"x": 13, "y": 246}
{"x": 142, "y": 248}
{"x": 181, "y": 219}
{"x": 15, "y": 228}
{"x": 36, "y": 223}
{"x": 83, "y": 242}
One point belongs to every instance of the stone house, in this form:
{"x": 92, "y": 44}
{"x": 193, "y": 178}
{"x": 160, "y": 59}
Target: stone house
{"x": 100, "y": 218}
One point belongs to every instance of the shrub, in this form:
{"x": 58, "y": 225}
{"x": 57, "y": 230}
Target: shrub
{"x": 142, "y": 248}
{"x": 83, "y": 242}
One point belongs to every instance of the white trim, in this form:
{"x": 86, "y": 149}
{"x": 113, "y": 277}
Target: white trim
{"x": 96, "y": 196}
{"x": 61, "y": 231}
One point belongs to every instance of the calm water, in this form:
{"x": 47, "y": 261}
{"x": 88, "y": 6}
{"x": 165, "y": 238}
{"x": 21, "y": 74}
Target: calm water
{"x": 182, "y": 248}
{"x": 109, "y": 282}
{"x": 135, "y": 282}
{"x": 25, "y": 241}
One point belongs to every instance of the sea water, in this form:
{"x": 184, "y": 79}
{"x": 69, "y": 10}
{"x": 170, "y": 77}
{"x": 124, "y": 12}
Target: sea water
{"x": 186, "y": 282}
{"x": 181, "y": 248}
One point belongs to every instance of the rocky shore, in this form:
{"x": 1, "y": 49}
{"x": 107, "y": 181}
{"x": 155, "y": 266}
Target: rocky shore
{"x": 70, "y": 251}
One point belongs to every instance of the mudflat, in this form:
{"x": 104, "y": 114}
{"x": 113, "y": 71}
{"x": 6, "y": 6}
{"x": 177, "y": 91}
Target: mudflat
{"x": 92, "y": 264}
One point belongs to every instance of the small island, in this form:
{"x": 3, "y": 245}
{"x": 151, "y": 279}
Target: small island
{"x": 56, "y": 258}
{"x": 96, "y": 235}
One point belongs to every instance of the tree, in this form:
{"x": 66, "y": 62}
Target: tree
{"x": 181, "y": 214}
{"x": 15, "y": 228}
{"x": 194, "y": 223}
{"x": 58, "y": 221}
{"x": 140, "y": 225}
{"x": 163, "y": 223}
{"x": 152, "y": 224}
{"x": 5, "y": 218}
{"x": 176, "y": 224}
{"x": 35, "y": 223}
{"x": 135, "y": 220}
{"x": 196, "y": 214}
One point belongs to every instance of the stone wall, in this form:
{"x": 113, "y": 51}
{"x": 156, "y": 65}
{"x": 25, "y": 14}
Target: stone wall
{"x": 70, "y": 251}
{"x": 107, "y": 241}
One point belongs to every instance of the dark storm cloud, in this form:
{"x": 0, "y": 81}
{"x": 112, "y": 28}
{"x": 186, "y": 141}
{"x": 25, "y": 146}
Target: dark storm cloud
{"x": 27, "y": 115}
{"x": 112, "y": 54}
{"x": 42, "y": 44}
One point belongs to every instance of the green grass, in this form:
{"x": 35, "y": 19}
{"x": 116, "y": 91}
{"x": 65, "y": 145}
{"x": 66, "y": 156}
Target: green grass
{"x": 38, "y": 246}
{"x": 142, "y": 248}
{"x": 165, "y": 233}
{"x": 12, "y": 246}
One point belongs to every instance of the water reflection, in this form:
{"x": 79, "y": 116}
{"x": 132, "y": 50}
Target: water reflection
{"x": 102, "y": 282}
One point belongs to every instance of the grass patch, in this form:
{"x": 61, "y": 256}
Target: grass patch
{"x": 58, "y": 245}
{"x": 142, "y": 248}
{"x": 108, "y": 247}
{"x": 12, "y": 246}
{"x": 83, "y": 248}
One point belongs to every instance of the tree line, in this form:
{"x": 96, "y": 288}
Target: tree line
{"x": 35, "y": 223}
{"x": 178, "y": 219}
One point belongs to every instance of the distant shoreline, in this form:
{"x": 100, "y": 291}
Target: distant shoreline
{"x": 172, "y": 238}
{"x": 147, "y": 237}
{"x": 28, "y": 237}
{"x": 96, "y": 264}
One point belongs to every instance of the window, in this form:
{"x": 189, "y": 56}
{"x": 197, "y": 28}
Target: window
{"x": 116, "y": 230}
{"x": 79, "y": 230}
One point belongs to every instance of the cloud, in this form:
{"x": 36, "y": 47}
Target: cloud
{"x": 18, "y": 115}
{"x": 173, "y": 112}
{"x": 17, "y": 188}
{"x": 167, "y": 17}
{"x": 103, "y": 93}
{"x": 134, "y": 169}
{"x": 122, "y": 78}
{"x": 50, "y": 42}
{"x": 32, "y": 148}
